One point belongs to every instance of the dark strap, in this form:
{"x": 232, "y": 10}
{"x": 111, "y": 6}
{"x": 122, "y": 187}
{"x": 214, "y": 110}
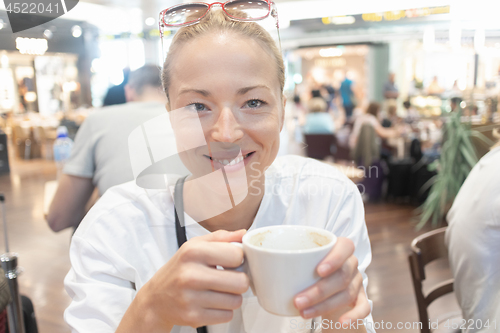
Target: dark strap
{"x": 180, "y": 229}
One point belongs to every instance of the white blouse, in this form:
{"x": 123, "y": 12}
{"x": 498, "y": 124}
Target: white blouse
{"x": 130, "y": 234}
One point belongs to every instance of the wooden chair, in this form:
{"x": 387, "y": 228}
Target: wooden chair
{"x": 22, "y": 142}
{"x": 341, "y": 152}
{"x": 425, "y": 249}
{"x": 319, "y": 146}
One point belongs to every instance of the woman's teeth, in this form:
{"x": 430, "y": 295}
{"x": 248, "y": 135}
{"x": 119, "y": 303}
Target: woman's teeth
{"x": 233, "y": 162}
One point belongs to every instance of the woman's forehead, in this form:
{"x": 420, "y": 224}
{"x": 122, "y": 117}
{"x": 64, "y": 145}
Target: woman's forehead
{"x": 207, "y": 59}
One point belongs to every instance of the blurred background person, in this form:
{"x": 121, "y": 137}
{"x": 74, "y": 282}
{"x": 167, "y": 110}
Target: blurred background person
{"x": 370, "y": 117}
{"x": 391, "y": 118}
{"x": 365, "y": 144}
{"x": 391, "y": 93}
{"x": 434, "y": 89}
{"x": 455, "y": 104}
{"x": 411, "y": 113}
{"x": 318, "y": 120}
{"x": 116, "y": 94}
{"x": 100, "y": 156}
{"x": 348, "y": 96}
{"x": 390, "y": 89}
{"x": 473, "y": 240}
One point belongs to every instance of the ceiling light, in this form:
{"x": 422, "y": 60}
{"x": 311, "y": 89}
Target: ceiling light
{"x": 331, "y": 52}
{"x": 30, "y": 96}
{"x": 341, "y": 20}
{"x": 48, "y": 34}
{"x": 36, "y": 46}
{"x": 76, "y": 31}
{"x": 150, "y": 21}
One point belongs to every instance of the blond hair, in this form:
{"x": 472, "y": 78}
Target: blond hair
{"x": 217, "y": 21}
{"x": 317, "y": 104}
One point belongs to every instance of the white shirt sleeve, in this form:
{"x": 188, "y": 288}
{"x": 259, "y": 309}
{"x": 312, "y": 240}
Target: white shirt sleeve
{"x": 100, "y": 296}
{"x": 348, "y": 220}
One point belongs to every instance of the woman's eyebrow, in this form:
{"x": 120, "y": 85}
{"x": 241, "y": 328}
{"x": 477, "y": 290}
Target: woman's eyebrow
{"x": 243, "y": 91}
{"x": 205, "y": 93}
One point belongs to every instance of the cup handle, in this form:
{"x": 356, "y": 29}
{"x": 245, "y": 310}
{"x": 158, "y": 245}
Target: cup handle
{"x": 244, "y": 268}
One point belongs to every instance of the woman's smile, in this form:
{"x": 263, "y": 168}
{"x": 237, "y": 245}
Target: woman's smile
{"x": 230, "y": 164}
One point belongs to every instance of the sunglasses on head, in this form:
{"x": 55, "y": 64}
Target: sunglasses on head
{"x": 240, "y": 10}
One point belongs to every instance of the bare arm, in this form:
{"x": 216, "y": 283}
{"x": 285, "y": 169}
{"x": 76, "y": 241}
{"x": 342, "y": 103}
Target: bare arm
{"x": 68, "y": 206}
{"x": 385, "y": 133}
{"x": 391, "y": 94}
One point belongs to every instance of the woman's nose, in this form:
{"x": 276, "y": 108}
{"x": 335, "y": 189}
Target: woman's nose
{"x": 227, "y": 128}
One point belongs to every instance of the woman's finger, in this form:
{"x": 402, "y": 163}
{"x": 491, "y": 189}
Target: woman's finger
{"x": 360, "y": 311}
{"x": 213, "y": 254}
{"x": 222, "y": 236}
{"x": 220, "y": 301}
{"x": 328, "y": 286}
{"x": 208, "y": 278}
{"x": 343, "y": 249}
{"x": 346, "y": 297}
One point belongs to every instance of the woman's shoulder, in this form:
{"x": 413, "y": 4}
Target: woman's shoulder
{"x": 127, "y": 206}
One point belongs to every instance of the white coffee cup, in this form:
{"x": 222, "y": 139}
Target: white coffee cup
{"x": 281, "y": 261}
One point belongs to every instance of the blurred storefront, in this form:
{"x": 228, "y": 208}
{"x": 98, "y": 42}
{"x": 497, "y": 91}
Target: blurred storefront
{"x": 46, "y": 69}
{"x": 436, "y": 53}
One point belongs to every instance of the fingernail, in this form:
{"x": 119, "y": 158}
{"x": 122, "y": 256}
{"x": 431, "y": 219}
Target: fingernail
{"x": 301, "y": 302}
{"x": 308, "y": 313}
{"x": 324, "y": 269}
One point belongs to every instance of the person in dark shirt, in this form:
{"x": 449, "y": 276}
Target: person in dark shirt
{"x": 116, "y": 94}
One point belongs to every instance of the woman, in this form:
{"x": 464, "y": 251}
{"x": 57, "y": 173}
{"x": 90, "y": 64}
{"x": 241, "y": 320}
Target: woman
{"x": 370, "y": 117}
{"x": 128, "y": 274}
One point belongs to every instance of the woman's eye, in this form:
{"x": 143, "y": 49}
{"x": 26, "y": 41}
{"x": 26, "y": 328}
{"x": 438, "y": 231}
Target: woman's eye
{"x": 254, "y": 103}
{"x": 198, "y": 107}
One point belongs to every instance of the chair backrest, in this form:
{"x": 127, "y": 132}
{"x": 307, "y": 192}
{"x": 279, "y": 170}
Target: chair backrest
{"x": 319, "y": 145}
{"x": 425, "y": 249}
{"x": 341, "y": 152}
{"x": 367, "y": 149}
{"x": 39, "y": 134}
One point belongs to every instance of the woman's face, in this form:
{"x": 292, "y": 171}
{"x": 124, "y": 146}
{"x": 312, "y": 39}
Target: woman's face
{"x": 229, "y": 85}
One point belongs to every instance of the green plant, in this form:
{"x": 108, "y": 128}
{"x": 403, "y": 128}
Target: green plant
{"x": 458, "y": 157}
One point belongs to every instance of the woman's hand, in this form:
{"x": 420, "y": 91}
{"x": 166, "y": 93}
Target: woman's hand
{"x": 340, "y": 287}
{"x": 189, "y": 291}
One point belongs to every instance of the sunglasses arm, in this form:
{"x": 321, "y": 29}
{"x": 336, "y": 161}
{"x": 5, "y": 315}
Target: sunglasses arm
{"x": 274, "y": 13}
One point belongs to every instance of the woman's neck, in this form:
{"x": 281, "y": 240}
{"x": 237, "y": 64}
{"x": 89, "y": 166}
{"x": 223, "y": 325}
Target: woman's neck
{"x": 199, "y": 204}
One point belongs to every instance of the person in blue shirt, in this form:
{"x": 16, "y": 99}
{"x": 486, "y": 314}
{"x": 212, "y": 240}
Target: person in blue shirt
{"x": 318, "y": 121}
{"x": 347, "y": 94}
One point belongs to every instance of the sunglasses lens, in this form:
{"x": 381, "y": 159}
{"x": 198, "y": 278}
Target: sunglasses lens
{"x": 184, "y": 14}
{"x": 247, "y": 10}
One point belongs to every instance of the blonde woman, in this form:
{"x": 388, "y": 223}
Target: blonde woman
{"x": 132, "y": 268}
{"x": 318, "y": 121}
